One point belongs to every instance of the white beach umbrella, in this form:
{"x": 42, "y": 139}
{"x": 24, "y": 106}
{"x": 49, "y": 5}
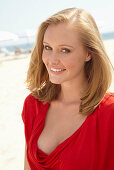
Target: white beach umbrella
{"x": 28, "y": 34}
{"x": 6, "y": 36}
{"x": 28, "y": 37}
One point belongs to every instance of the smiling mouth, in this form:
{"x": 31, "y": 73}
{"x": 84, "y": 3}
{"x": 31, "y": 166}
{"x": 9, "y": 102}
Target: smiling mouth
{"x": 57, "y": 70}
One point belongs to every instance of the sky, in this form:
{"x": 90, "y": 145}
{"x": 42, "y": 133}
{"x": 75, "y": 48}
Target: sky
{"x": 17, "y": 16}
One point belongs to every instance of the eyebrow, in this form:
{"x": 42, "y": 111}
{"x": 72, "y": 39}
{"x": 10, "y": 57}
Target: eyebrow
{"x": 61, "y": 44}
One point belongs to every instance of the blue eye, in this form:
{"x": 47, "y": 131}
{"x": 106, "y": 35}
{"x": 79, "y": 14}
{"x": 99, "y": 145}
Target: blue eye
{"x": 46, "y": 47}
{"x": 65, "y": 50}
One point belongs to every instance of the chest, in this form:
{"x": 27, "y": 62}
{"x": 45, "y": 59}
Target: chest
{"x": 59, "y": 125}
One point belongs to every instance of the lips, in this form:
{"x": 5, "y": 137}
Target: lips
{"x": 57, "y": 69}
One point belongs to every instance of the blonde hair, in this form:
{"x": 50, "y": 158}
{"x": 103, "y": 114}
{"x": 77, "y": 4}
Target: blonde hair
{"x": 97, "y": 70}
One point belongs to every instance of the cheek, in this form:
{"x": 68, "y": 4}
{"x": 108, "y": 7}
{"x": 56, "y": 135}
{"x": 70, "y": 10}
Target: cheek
{"x": 69, "y": 65}
{"x": 67, "y": 61}
{"x": 74, "y": 63}
{"x": 44, "y": 58}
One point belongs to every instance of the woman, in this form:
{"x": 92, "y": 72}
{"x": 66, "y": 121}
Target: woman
{"x": 69, "y": 115}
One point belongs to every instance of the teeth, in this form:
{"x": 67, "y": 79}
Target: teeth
{"x": 53, "y": 69}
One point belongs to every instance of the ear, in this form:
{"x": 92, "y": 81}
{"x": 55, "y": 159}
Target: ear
{"x": 88, "y": 57}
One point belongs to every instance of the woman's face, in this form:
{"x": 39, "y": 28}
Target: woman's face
{"x": 63, "y": 54}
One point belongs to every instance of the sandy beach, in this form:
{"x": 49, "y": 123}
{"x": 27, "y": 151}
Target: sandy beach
{"x": 13, "y": 92}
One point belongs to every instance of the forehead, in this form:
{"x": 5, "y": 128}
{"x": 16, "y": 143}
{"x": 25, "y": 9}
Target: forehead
{"x": 61, "y": 33}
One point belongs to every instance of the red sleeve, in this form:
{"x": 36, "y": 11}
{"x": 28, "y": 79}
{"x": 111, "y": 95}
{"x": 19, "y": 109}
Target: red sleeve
{"x": 106, "y": 133}
{"x": 28, "y": 115}
{"x": 107, "y": 110}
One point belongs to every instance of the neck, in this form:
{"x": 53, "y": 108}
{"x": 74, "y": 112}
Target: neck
{"x": 72, "y": 92}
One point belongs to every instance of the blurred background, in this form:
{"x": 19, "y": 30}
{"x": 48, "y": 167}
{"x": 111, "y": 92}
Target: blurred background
{"x": 19, "y": 23}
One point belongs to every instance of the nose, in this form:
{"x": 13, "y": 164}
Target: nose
{"x": 54, "y": 58}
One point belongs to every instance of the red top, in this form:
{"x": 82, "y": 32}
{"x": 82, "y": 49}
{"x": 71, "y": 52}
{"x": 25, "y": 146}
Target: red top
{"x": 91, "y": 147}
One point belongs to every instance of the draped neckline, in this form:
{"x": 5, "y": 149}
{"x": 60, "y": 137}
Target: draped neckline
{"x": 66, "y": 141}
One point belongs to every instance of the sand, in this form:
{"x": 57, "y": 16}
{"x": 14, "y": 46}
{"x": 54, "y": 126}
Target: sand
{"x": 13, "y": 92}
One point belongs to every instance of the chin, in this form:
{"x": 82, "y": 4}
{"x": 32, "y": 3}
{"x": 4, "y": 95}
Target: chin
{"x": 55, "y": 81}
